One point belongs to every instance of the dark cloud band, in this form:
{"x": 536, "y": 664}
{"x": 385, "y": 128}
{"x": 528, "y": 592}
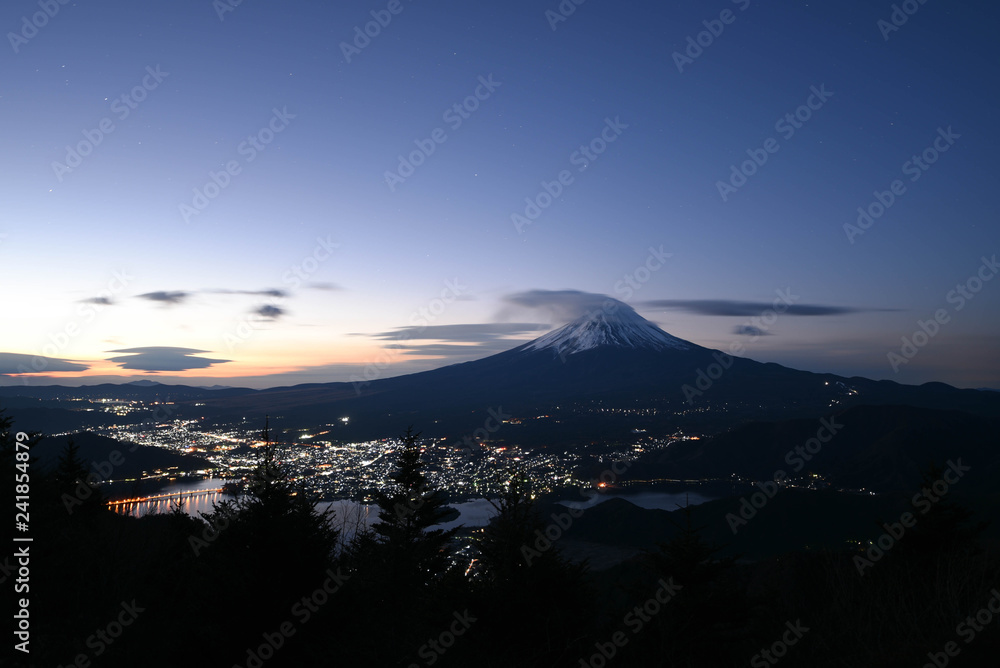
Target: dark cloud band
{"x": 727, "y": 307}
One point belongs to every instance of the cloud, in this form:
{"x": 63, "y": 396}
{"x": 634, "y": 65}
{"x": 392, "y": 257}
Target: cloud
{"x": 174, "y": 297}
{"x": 478, "y": 333}
{"x": 103, "y": 301}
{"x": 459, "y": 341}
{"x": 749, "y": 330}
{"x": 728, "y": 307}
{"x": 165, "y": 297}
{"x": 329, "y": 287}
{"x": 165, "y": 358}
{"x": 267, "y": 292}
{"x": 270, "y": 311}
{"x": 451, "y": 349}
{"x": 560, "y": 305}
{"x": 14, "y": 363}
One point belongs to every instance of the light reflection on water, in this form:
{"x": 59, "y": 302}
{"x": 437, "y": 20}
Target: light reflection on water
{"x": 349, "y": 515}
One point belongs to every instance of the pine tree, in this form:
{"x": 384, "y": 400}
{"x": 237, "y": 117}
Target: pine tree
{"x": 501, "y": 545}
{"x": 705, "y": 623}
{"x": 944, "y": 529}
{"x": 77, "y": 494}
{"x": 401, "y": 568}
{"x": 9, "y": 444}
{"x": 273, "y": 507}
{"x": 407, "y": 511}
{"x": 535, "y": 597}
{"x": 272, "y": 544}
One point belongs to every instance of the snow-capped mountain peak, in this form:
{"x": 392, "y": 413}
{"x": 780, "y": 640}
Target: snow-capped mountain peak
{"x": 617, "y": 326}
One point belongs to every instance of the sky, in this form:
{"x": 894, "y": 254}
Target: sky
{"x": 264, "y": 194}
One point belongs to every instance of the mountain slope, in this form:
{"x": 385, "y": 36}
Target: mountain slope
{"x": 881, "y": 448}
{"x": 603, "y": 362}
{"x": 619, "y": 327}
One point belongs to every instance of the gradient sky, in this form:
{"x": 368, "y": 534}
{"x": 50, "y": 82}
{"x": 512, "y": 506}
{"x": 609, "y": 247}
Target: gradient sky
{"x": 308, "y": 263}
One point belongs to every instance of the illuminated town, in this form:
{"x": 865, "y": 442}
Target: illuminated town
{"x": 331, "y": 469}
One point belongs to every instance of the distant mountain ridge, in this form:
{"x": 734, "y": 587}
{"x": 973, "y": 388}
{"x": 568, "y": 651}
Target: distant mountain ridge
{"x": 121, "y": 458}
{"x": 600, "y": 376}
{"x": 880, "y": 448}
{"x": 612, "y": 358}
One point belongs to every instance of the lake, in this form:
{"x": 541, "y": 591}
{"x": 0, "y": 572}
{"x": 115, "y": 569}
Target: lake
{"x": 351, "y": 514}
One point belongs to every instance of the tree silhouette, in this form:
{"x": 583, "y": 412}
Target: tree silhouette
{"x": 537, "y": 597}
{"x": 704, "y": 623}
{"x": 411, "y": 549}
{"x": 267, "y": 548}
{"x": 77, "y": 494}
{"x": 943, "y": 526}
{"x": 402, "y": 567}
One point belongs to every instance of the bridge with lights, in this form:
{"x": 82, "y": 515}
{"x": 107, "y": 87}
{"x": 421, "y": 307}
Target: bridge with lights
{"x": 131, "y": 505}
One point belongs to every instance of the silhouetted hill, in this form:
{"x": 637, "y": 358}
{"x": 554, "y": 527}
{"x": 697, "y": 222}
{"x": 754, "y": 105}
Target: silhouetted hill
{"x": 881, "y": 448}
{"x": 51, "y": 419}
{"x": 793, "y": 520}
{"x": 598, "y": 378}
{"x": 617, "y": 361}
{"x": 136, "y": 459}
{"x": 144, "y": 391}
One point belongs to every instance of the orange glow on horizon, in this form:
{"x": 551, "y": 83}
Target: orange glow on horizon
{"x": 253, "y": 360}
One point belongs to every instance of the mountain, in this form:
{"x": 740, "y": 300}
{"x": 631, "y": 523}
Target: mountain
{"x": 125, "y": 460}
{"x": 616, "y": 328}
{"x": 53, "y": 409}
{"x": 880, "y": 448}
{"x": 593, "y": 379}
{"x": 142, "y": 390}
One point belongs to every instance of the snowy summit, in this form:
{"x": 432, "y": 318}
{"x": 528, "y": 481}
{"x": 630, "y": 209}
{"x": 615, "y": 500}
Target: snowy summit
{"x": 619, "y": 326}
